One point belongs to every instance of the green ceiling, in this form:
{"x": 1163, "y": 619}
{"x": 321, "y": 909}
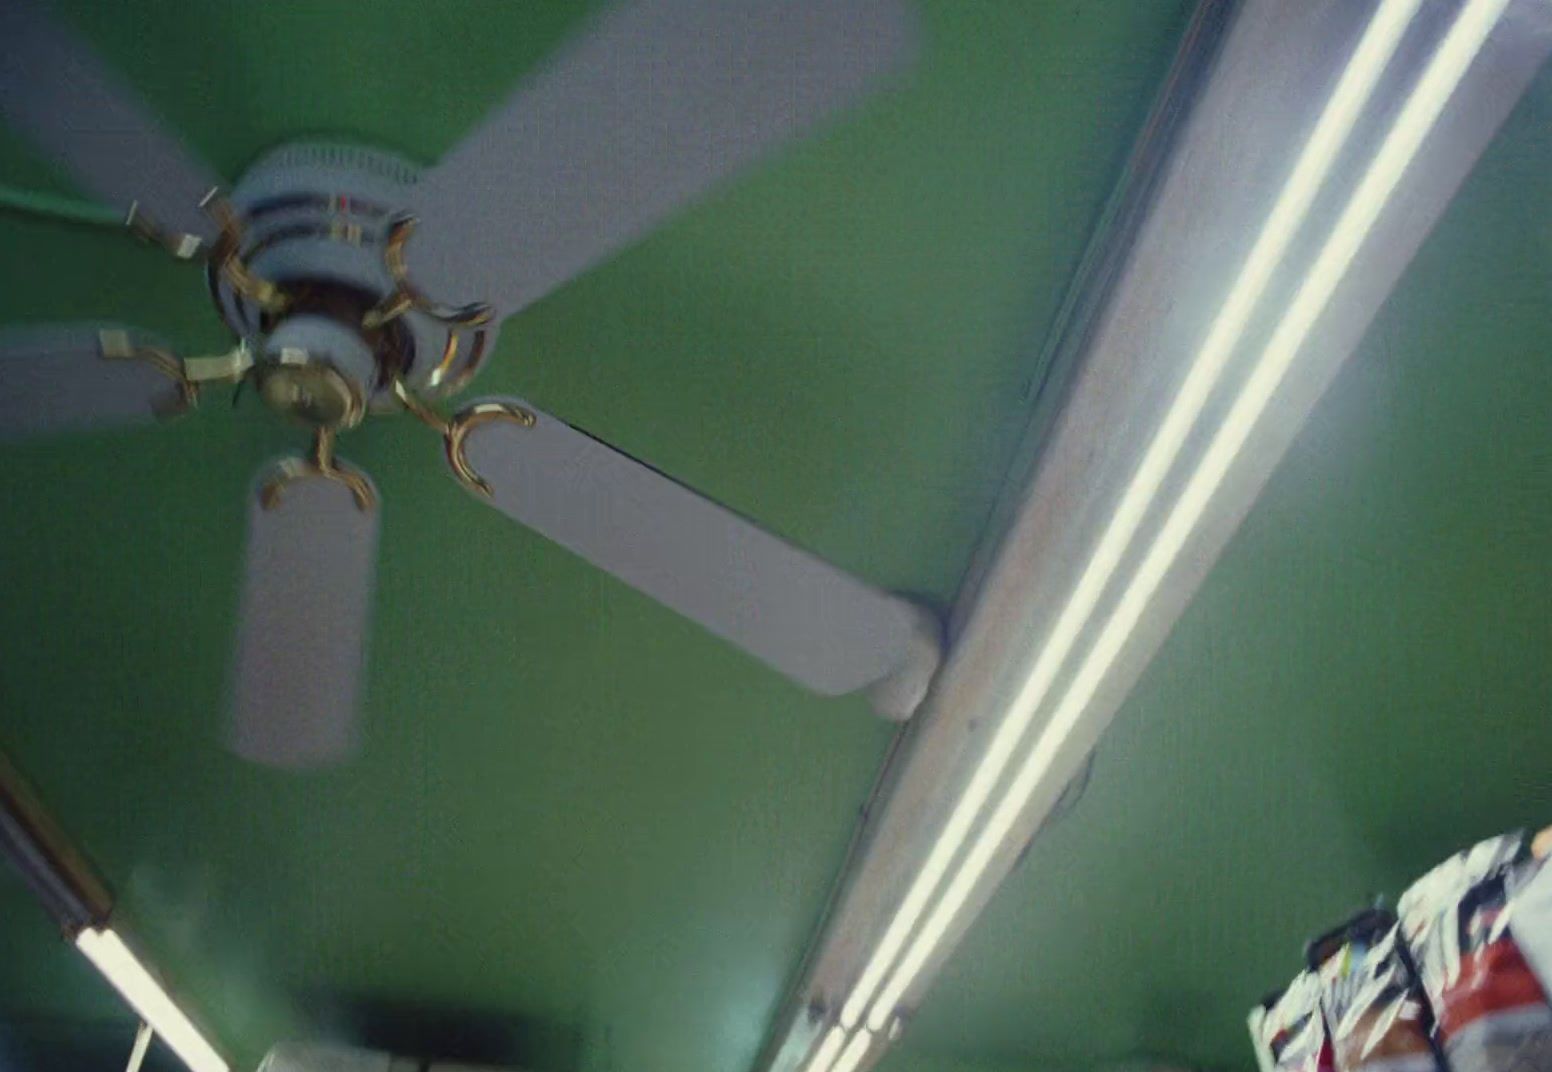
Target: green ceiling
{"x": 577, "y": 817}
{"x": 575, "y": 814}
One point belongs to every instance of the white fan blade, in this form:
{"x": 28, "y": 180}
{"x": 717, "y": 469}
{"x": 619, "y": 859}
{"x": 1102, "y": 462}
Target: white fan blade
{"x": 58, "y": 378}
{"x": 659, "y": 102}
{"x": 806, "y": 618}
{"x": 303, "y": 620}
{"x": 82, "y": 116}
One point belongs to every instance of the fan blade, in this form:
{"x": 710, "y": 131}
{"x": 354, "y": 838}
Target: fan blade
{"x": 804, "y": 617}
{"x": 57, "y": 93}
{"x": 303, "y": 621}
{"x": 60, "y": 378}
{"x": 661, "y": 101}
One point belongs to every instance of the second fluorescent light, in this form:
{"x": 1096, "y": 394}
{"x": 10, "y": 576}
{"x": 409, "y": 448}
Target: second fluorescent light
{"x": 107, "y": 951}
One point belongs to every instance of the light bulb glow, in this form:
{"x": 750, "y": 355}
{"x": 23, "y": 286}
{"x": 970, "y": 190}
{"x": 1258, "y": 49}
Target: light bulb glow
{"x": 828, "y": 1049}
{"x": 107, "y": 951}
{"x": 854, "y": 1052}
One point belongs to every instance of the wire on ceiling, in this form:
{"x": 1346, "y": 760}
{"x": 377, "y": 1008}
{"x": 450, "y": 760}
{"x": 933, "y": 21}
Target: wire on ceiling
{"x": 57, "y": 207}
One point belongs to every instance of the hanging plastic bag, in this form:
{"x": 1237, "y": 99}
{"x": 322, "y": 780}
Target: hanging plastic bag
{"x": 1288, "y": 1031}
{"x": 1531, "y": 905}
{"x": 1373, "y": 1006}
{"x": 1462, "y": 924}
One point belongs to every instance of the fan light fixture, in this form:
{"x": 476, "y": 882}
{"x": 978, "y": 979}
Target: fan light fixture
{"x": 107, "y": 951}
{"x": 941, "y": 888}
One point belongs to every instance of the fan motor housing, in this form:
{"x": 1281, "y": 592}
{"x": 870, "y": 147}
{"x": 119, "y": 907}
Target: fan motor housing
{"x": 314, "y": 218}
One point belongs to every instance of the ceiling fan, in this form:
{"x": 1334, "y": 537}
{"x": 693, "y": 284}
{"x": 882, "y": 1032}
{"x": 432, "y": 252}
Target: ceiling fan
{"x": 334, "y": 266}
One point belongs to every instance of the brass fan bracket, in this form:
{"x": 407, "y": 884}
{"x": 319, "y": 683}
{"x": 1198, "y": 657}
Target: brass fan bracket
{"x": 116, "y": 345}
{"x": 455, "y": 430}
{"x": 405, "y": 296}
{"x": 466, "y": 421}
{"x": 226, "y": 260}
{"x": 183, "y": 246}
{"x": 321, "y": 463}
{"x": 418, "y": 407}
{"x": 230, "y": 367}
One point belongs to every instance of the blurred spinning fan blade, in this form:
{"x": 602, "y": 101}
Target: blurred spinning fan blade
{"x": 802, "y": 616}
{"x": 303, "y": 621}
{"x": 659, "y": 102}
{"x": 82, "y": 116}
{"x": 60, "y": 379}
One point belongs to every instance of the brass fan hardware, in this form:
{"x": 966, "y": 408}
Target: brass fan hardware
{"x": 224, "y": 254}
{"x": 117, "y": 346}
{"x": 467, "y": 420}
{"x": 419, "y": 408}
{"x": 226, "y": 257}
{"x": 321, "y": 463}
{"x": 406, "y": 296}
{"x": 188, "y": 374}
{"x": 455, "y": 430}
{"x": 185, "y": 247}
{"x": 230, "y": 367}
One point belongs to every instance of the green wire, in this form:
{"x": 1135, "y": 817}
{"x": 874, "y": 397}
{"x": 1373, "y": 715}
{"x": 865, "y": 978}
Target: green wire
{"x": 57, "y": 207}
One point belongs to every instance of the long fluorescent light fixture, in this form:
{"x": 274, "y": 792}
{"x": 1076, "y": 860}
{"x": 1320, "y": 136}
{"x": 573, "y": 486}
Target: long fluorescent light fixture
{"x": 888, "y": 976}
{"x": 829, "y": 1049}
{"x": 1417, "y": 117}
{"x": 854, "y": 1052}
{"x": 129, "y": 977}
{"x": 1314, "y": 165}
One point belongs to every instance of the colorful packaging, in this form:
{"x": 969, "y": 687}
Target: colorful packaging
{"x": 1462, "y": 924}
{"x": 1373, "y": 1006}
{"x": 1531, "y": 905}
{"x": 1288, "y": 1031}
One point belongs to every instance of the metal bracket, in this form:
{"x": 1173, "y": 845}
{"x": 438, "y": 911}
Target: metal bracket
{"x": 226, "y": 257}
{"x": 229, "y": 367}
{"x": 322, "y": 463}
{"x": 115, "y": 345}
{"x": 455, "y": 430}
{"x": 188, "y": 374}
{"x": 406, "y": 296}
{"x": 467, "y": 420}
{"x": 224, "y": 254}
{"x": 183, "y": 246}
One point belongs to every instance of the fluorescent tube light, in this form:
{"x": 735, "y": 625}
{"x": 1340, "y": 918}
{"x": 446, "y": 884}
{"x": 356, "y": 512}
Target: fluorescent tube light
{"x": 1422, "y": 109}
{"x": 1309, "y": 174}
{"x": 129, "y": 977}
{"x": 828, "y": 1050}
{"x": 854, "y": 1052}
